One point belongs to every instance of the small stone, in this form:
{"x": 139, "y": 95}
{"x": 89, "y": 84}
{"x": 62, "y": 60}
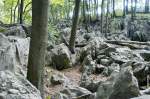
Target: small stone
{"x": 58, "y": 79}
{"x": 105, "y": 62}
{"x": 99, "y": 69}
{"x": 13, "y": 91}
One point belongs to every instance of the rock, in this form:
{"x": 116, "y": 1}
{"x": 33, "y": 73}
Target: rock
{"x": 13, "y": 91}
{"x": 99, "y": 69}
{"x": 14, "y": 54}
{"x": 123, "y": 55}
{"x": 91, "y": 48}
{"x": 15, "y": 31}
{"x": 113, "y": 68}
{"x": 142, "y": 97}
{"x": 141, "y": 72}
{"x": 88, "y": 65}
{"x": 48, "y": 59}
{"x": 6, "y": 54}
{"x": 139, "y": 36}
{"x": 73, "y": 93}
{"x": 61, "y": 57}
{"x": 123, "y": 86}
{"x": 58, "y": 79}
{"x": 85, "y": 80}
{"x": 105, "y": 62}
{"x": 90, "y": 84}
{"x": 145, "y": 55}
{"x": 21, "y": 53}
{"x": 16, "y": 87}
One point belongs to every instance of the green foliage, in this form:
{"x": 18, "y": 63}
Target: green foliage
{"x": 2, "y": 29}
{"x": 48, "y": 97}
{"x": 53, "y": 33}
{"x": 9, "y": 11}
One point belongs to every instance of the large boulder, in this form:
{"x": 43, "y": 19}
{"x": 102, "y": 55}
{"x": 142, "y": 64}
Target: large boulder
{"x": 73, "y": 93}
{"x": 16, "y": 87}
{"x": 61, "y": 57}
{"x": 141, "y": 71}
{"x": 142, "y": 97}
{"x": 123, "y": 55}
{"x": 6, "y": 54}
{"x": 121, "y": 86}
{"x": 16, "y": 30}
{"x": 14, "y": 54}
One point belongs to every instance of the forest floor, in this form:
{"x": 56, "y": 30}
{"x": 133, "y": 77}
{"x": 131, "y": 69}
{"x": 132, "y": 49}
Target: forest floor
{"x": 73, "y": 75}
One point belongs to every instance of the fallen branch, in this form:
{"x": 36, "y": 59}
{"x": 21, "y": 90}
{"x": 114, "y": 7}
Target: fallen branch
{"x": 128, "y": 42}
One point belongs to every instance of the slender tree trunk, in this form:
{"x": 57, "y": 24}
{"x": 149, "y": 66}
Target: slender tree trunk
{"x": 147, "y": 6}
{"x": 11, "y": 14}
{"x": 102, "y": 15}
{"x": 21, "y": 11}
{"x": 17, "y": 5}
{"x": 74, "y": 26}
{"x": 135, "y": 8}
{"x": 84, "y": 17}
{"x": 97, "y": 10}
{"x": 132, "y": 10}
{"x": 114, "y": 13}
{"x": 38, "y": 43}
{"x": 127, "y": 6}
{"x": 26, "y": 7}
{"x": 124, "y": 8}
{"x": 107, "y": 15}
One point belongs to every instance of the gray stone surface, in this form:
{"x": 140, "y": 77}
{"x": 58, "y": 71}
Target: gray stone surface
{"x": 61, "y": 57}
{"x": 16, "y": 87}
{"x": 73, "y": 93}
{"x": 123, "y": 86}
{"x": 14, "y": 54}
{"x": 142, "y": 97}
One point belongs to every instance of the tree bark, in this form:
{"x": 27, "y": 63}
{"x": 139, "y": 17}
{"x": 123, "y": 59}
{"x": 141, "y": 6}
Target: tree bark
{"x": 114, "y": 13}
{"x": 102, "y": 15}
{"x": 38, "y": 43}
{"x": 132, "y": 10}
{"x": 127, "y": 6}
{"x": 147, "y": 6}
{"x": 74, "y": 26}
{"x": 124, "y": 8}
{"x": 21, "y": 11}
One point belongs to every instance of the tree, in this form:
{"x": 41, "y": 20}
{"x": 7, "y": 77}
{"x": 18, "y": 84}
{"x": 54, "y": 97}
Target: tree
{"x": 74, "y": 26}
{"x": 132, "y": 9}
{"x": 124, "y": 8}
{"x": 21, "y": 11}
{"x": 38, "y": 43}
{"x": 113, "y": 3}
{"x": 147, "y": 6}
{"x": 102, "y": 15}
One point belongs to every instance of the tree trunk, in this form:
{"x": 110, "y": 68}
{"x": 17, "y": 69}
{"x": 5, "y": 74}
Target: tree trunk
{"x": 135, "y": 8}
{"x": 132, "y": 10}
{"x": 114, "y": 13}
{"x": 21, "y": 11}
{"x": 38, "y": 43}
{"x": 124, "y": 8}
{"x": 147, "y": 6}
{"x": 127, "y": 6}
{"x": 102, "y": 15}
{"x": 107, "y": 15}
{"x": 17, "y": 5}
{"x": 74, "y": 26}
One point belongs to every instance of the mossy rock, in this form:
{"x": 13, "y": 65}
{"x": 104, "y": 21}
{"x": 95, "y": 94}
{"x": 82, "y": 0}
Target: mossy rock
{"x": 2, "y": 29}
